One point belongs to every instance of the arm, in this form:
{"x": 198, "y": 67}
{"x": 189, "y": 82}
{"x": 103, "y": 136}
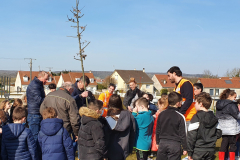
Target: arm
{"x": 182, "y": 132}
{"x": 98, "y": 138}
{"x": 42, "y": 107}
{"x": 186, "y": 92}
{"x": 36, "y": 92}
{"x": 125, "y": 100}
{"x": 4, "y": 153}
{"x": 67, "y": 143}
{"x": 192, "y": 134}
{"x": 74, "y": 117}
{"x": 233, "y": 109}
{"x": 32, "y": 146}
{"x": 132, "y": 134}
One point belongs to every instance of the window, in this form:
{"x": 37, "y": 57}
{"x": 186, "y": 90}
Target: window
{"x": 217, "y": 92}
{"x": 211, "y": 92}
{"x": 147, "y": 86}
{"x": 116, "y": 77}
{"x": 92, "y": 80}
{"x": 25, "y": 78}
{"x": 228, "y": 81}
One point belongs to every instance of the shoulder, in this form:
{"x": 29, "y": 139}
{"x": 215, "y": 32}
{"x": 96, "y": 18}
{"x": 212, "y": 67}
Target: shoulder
{"x": 180, "y": 115}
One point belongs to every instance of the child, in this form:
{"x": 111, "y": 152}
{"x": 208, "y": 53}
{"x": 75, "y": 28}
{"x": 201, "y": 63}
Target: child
{"x": 54, "y": 140}
{"x": 5, "y": 106}
{"x": 144, "y": 126}
{"x": 228, "y": 114}
{"x": 91, "y": 141}
{"x": 52, "y": 87}
{"x": 202, "y": 131}
{"x": 3, "y": 120}
{"x": 162, "y": 105}
{"x": 171, "y": 130}
{"x": 198, "y": 88}
{"x": 151, "y": 106}
{"x": 16, "y": 103}
{"x": 18, "y": 141}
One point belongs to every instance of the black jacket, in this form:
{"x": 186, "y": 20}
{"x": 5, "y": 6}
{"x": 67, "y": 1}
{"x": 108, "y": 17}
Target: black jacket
{"x": 35, "y": 96}
{"x": 81, "y": 101}
{"x": 90, "y": 136}
{"x": 130, "y": 95}
{"x": 203, "y": 132}
{"x": 171, "y": 125}
{"x": 226, "y": 108}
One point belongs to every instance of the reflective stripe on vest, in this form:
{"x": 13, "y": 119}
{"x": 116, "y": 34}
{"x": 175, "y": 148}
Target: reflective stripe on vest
{"x": 191, "y": 110}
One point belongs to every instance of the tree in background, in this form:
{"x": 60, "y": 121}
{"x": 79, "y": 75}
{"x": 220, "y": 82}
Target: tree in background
{"x": 208, "y": 74}
{"x": 235, "y": 72}
{"x": 108, "y": 80}
{"x": 164, "y": 90}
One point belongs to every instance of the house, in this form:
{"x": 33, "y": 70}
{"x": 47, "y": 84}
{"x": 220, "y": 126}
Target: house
{"x": 161, "y": 82}
{"x": 23, "y": 80}
{"x": 100, "y": 81}
{"x": 122, "y": 77}
{"x": 74, "y": 76}
{"x": 216, "y": 86}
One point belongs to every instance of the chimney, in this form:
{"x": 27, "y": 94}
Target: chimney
{"x": 134, "y": 69}
{"x": 143, "y": 69}
{"x": 90, "y": 71}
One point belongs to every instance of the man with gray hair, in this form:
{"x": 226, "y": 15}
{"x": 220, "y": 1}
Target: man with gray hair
{"x": 66, "y": 107}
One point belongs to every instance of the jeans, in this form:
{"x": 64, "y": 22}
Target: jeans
{"x": 34, "y": 121}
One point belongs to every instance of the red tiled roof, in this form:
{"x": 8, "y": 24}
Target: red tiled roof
{"x": 34, "y": 74}
{"x": 161, "y": 78}
{"x": 71, "y": 76}
{"x": 56, "y": 79}
{"x": 220, "y": 82}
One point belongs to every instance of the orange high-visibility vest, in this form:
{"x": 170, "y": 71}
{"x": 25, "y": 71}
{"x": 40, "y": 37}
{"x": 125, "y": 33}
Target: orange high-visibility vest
{"x": 104, "y": 97}
{"x": 191, "y": 110}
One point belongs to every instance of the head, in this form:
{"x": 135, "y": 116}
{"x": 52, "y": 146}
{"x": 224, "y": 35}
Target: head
{"x": 163, "y": 103}
{"x": 111, "y": 88}
{"x": 52, "y": 87}
{"x": 115, "y": 102}
{"x": 3, "y": 117}
{"x": 175, "y": 99}
{"x": 113, "y": 112}
{"x": 145, "y": 95}
{"x": 132, "y": 83}
{"x": 228, "y": 94}
{"x": 68, "y": 86}
{"x": 142, "y": 104}
{"x": 5, "y": 105}
{"x": 43, "y": 76}
{"x": 17, "y": 103}
{"x": 80, "y": 83}
{"x": 198, "y": 88}
{"x": 49, "y": 112}
{"x": 150, "y": 97}
{"x": 173, "y": 73}
{"x": 24, "y": 99}
{"x": 96, "y": 105}
{"x": 203, "y": 101}
{"x": 19, "y": 115}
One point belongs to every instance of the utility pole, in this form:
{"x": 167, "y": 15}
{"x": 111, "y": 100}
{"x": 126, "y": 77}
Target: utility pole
{"x": 30, "y": 67}
{"x": 39, "y": 68}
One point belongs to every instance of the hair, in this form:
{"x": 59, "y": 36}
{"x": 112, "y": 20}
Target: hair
{"x": 142, "y": 102}
{"x": 150, "y": 97}
{"x": 19, "y": 113}
{"x": 67, "y": 85}
{"x": 205, "y": 99}
{"x": 52, "y": 86}
{"x": 198, "y": 86}
{"x": 42, "y": 74}
{"x": 163, "y": 101}
{"x": 95, "y": 104}
{"x": 113, "y": 112}
{"x": 115, "y": 102}
{"x": 112, "y": 85}
{"x": 23, "y": 99}
{"x": 226, "y": 93}
{"x": 17, "y": 103}
{"x": 49, "y": 112}
{"x": 3, "y": 117}
{"x": 175, "y": 69}
{"x": 3, "y": 104}
{"x": 85, "y": 78}
{"x": 174, "y": 98}
{"x": 238, "y": 101}
{"x": 132, "y": 80}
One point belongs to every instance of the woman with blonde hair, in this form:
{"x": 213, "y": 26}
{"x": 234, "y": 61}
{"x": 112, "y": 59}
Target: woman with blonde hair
{"x": 133, "y": 94}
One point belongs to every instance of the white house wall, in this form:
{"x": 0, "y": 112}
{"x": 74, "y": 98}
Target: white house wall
{"x": 18, "y": 82}
{"x": 156, "y": 83}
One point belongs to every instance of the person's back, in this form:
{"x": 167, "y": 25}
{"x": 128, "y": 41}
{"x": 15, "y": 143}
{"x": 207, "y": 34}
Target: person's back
{"x": 18, "y": 141}
{"x": 91, "y": 141}
{"x": 53, "y": 138}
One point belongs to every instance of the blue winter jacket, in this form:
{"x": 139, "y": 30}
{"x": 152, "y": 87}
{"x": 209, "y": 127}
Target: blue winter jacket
{"x": 55, "y": 142}
{"x": 18, "y": 143}
{"x": 35, "y": 96}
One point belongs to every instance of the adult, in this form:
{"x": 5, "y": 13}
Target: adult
{"x": 79, "y": 94}
{"x": 120, "y": 140}
{"x": 185, "y": 88}
{"x": 104, "y": 97}
{"x": 66, "y": 107}
{"x": 132, "y": 95}
{"x": 35, "y": 96}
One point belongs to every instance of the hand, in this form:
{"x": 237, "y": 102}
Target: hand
{"x": 76, "y": 138}
{"x": 130, "y": 108}
{"x": 184, "y": 152}
{"x": 190, "y": 158}
{"x": 157, "y": 146}
{"x": 84, "y": 94}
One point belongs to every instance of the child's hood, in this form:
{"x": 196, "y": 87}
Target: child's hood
{"x": 208, "y": 118}
{"x": 223, "y": 103}
{"x": 51, "y": 126}
{"x": 124, "y": 121}
{"x": 13, "y": 131}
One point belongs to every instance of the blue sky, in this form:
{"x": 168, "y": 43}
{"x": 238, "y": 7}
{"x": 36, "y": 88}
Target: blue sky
{"x": 125, "y": 34}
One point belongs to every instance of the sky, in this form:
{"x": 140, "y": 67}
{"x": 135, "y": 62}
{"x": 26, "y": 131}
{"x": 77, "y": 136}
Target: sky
{"x": 195, "y": 35}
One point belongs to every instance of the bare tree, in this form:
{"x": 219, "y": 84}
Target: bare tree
{"x": 208, "y": 74}
{"x": 82, "y": 44}
{"x": 235, "y": 72}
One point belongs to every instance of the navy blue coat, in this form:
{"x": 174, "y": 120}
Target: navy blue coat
{"x": 35, "y": 96}
{"x": 18, "y": 143}
{"x": 55, "y": 142}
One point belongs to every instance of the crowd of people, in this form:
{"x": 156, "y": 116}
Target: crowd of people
{"x": 69, "y": 121}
